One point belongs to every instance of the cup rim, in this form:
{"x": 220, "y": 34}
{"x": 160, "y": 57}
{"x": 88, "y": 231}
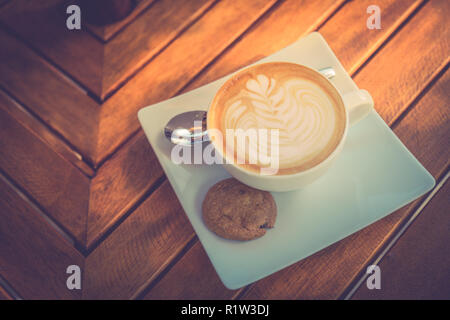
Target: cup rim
{"x": 316, "y": 167}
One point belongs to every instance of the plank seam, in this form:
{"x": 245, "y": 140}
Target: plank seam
{"x": 313, "y": 27}
{"x": 51, "y": 64}
{"x": 407, "y": 16}
{"x": 98, "y": 240}
{"x": 23, "y": 194}
{"x": 437, "y": 74}
{"x": 79, "y": 85}
{"x": 52, "y": 130}
{"x": 377, "y": 257}
{"x": 264, "y": 15}
{"x": 242, "y": 292}
{"x": 165, "y": 268}
{"x": 118, "y": 148}
{"x": 6, "y": 286}
{"x": 115, "y": 34}
{"x": 178, "y": 254}
{"x": 122, "y": 83}
{"x": 331, "y": 15}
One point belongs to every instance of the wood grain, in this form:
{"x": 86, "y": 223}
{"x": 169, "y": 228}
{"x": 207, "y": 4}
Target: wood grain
{"x": 255, "y": 39}
{"x": 418, "y": 266}
{"x": 34, "y": 256}
{"x": 101, "y": 67}
{"x": 165, "y": 75}
{"x": 327, "y": 273}
{"x": 119, "y": 183}
{"x": 43, "y": 25}
{"x": 192, "y": 278}
{"x": 428, "y": 123}
{"x": 56, "y": 101}
{"x": 108, "y": 31}
{"x": 59, "y": 188}
{"x": 395, "y": 78}
{"x": 353, "y": 46}
{"x": 37, "y": 24}
{"x": 138, "y": 249}
{"x": 145, "y": 37}
{"x": 30, "y": 122}
{"x": 291, "y": 19}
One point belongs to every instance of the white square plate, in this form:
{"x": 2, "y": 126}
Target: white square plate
{"x": 374, "y": 175}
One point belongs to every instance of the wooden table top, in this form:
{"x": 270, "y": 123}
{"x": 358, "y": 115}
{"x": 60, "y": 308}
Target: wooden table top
{"x": 80, "y": 185}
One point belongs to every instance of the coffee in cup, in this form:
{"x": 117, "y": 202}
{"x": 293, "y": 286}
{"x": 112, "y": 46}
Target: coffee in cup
{"x": 300, "y": 104}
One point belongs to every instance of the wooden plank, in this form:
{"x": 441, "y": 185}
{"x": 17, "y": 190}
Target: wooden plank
{"x": 430, "y": 118}
{"x": 418, "y": 266}
{"x": 119, "y": 184}
{"x": 423, "y": 271}
{"x": 43, "y": 25}
{"x": 337, "y": 33}
{"x": 291, "y": 19}
{"x": 327, "y": 273}
{"x": 59, "y": 188}
{"x": 138, "y": 249}
{"x": 145, "y": 37}
{"x": 165, "y": 75}
{"x": 27, "y": 120}
{"x": 192, "y": 278}
{"x": 108, "y": 31}
{"x": 56, "y": 101}
{"x": 353, "y": 46}
{"x": 34, "y": 256}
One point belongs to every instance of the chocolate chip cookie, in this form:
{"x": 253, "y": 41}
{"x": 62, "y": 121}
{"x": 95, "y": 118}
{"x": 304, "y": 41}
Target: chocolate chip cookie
{"x": 236, "y": 211}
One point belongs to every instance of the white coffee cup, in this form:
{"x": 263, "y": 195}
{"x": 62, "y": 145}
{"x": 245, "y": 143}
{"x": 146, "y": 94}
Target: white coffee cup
{"x": 357, "y": 106}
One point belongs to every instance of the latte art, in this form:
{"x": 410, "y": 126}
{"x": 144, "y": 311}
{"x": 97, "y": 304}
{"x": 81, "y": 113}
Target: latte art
{"x": 306, "y": 115}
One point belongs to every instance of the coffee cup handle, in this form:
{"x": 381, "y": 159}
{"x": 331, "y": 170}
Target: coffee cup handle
{"x": 358, "y": 103}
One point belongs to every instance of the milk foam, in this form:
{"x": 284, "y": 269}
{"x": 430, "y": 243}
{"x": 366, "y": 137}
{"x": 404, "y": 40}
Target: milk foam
{"x": 300, "y": 109}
